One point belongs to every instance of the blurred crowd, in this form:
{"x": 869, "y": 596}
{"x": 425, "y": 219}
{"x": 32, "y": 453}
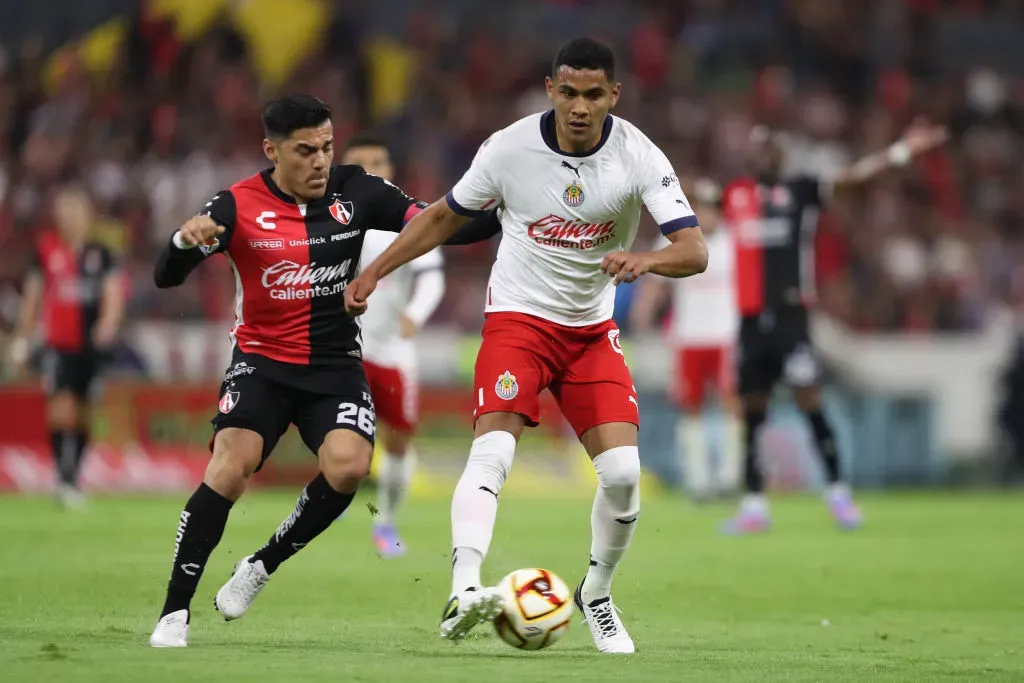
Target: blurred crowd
{"x": 934, "y": 247}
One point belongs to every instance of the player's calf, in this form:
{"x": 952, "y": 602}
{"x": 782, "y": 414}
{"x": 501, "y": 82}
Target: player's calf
{"x": 345, "y": 459}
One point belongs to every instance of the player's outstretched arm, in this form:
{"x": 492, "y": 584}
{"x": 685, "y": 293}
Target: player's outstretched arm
{"x": 31, "y": 298}
{"x": 919, "y": 138}
{"x": 686, "y": 255}
{"x": 112, "y": 305}
{"x": 478, "y": 229}
{"x": 200, "y": 236}
{"x": 428, "y": 229}
{"x": 185, "y": 251}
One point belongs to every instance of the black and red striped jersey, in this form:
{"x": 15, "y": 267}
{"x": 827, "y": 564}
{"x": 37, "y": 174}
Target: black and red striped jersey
{"x": 292, "y": 261}
{"x": 73, "y": 281}
{"x": 773, "y": 227}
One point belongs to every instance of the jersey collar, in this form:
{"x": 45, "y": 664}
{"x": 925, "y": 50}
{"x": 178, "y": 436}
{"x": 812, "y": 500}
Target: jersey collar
{"x": 547, "y": 131}
{"x": 274, "y": 189}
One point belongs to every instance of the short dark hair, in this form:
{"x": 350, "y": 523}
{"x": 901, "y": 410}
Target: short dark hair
{"x": 285, "y": 115}
{"x": 367, "y": 139}
{"x": 585, "y": 53}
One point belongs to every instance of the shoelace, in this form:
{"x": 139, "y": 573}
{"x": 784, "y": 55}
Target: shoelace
{"x": 604, "y": 616}
{"x": 252, "y": 583}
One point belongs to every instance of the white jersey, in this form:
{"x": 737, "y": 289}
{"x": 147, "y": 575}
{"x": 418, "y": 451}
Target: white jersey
{"x": 704, "y": 310}
{"x": 562, "y": 213}
{"x": 381, "y": 340}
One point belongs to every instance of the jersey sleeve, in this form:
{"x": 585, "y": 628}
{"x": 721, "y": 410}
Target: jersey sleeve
{"x": 662, "y": 194}
{"x": 811, "y": 190}
{"x": 35, "y": 264}
{"x": 478, "y": 190}
{"x": 390, "y": 208}
{"x": 110, "y": 266}
{"x": 222, "y": 209}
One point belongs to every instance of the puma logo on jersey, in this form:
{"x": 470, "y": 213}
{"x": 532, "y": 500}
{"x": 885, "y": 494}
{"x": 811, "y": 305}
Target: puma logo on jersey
{"x": 574, "y": 169}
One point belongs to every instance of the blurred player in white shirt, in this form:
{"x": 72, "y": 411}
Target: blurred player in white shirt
{"x": 571, "y": 182}
{"x": 406, "y": 299}
{"x": 703, "y": 325}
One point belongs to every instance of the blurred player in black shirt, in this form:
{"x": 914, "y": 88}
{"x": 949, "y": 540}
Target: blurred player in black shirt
{"x": 773, "y": 220}
{"x": 74, "y": 281}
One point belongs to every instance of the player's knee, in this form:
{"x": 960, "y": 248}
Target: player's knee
{"x": 618, "y": 468}
{"x": 490, "y": 458}
{"x": 345, "y": 465}
{"x": 618, "y": 478}
{"x": 396, "y": 441}
{"x": 807, "y": 398}
{"x": 236, "y": 455}
{"x": 62, "y": 412}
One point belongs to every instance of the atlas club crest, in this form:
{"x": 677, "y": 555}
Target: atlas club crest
{"x": 228, "y": 401}
{"x": 342, "y": 211}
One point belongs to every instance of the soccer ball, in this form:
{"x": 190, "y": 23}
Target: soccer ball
{"x": 537, "y": 608}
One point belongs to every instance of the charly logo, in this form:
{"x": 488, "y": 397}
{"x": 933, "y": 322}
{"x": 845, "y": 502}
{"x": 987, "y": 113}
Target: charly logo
{"x": 573, "y": 195}
{"x": 506, "y": 387}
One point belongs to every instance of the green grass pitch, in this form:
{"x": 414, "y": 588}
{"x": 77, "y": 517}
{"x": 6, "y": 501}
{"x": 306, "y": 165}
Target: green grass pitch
{"x": 931, "y": 590}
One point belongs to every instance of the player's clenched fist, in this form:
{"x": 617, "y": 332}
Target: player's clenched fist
{"x": 199, "y": 230}
{"x": 625, "y": 266}
{"x": 358, "y": 291}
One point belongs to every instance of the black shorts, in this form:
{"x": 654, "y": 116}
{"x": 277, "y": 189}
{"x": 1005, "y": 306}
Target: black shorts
{"x": 267, "y": 397}
{"x": 75, "y": 372}
{"x": 776, "y": 346}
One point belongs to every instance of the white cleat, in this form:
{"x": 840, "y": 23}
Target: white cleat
{"x": 171, "y": 630}
{"x": 70, "y": 497}
{"x": 468, "y": 609}
{"x": 235, "y": 596}
{"x": 603, "y": 619}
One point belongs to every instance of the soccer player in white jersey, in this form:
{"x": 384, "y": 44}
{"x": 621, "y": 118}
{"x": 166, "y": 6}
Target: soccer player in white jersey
{"x": 405, "y": 300}
{"x": 572, "y": 182}
{"x": 703, "y": 325}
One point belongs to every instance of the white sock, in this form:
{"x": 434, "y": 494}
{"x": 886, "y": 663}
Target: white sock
{"x": 393, "y": 480}
{"x": 696, "y": 474}
{"x": 475, "y": 505}
{"x": 754, "y": 504}
{"x": 713, "y": 422}
{"x": 466, "y": 563}
{"x": 613, "y": 517}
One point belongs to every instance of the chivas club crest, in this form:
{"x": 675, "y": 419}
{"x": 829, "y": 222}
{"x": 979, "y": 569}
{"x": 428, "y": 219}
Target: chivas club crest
{"x": 506, "y": 387}
{"x": 573, "y": 195}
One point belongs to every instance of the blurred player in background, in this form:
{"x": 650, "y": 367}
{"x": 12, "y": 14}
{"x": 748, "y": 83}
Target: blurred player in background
{"x": 82, "y": 300}
{"x": 572, "y": 182}
{"x": 703, "y": 326}
{"x": 405, "y": 300}
{"x": 773, "y": 220}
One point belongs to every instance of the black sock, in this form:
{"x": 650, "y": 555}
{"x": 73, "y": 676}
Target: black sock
{"x": 200, "y": 527}
{"x": 318, "y": 505}
{"x": 63, "y": 444}
{"x": 754, "y": 476}
{"x": 826, "y": 440}
{"x": 81, "y": 443}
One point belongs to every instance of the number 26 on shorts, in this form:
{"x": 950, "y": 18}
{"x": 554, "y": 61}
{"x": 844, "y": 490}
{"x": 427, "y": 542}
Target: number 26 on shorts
{"x": 358, "y": 416}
